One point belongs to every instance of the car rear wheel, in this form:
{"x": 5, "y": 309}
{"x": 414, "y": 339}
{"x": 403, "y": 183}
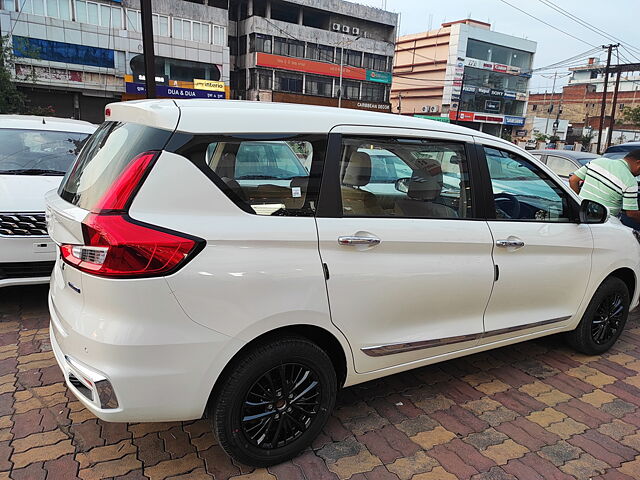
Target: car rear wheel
{"x": 274, "y": 402}
{"x": 604, "y": 319}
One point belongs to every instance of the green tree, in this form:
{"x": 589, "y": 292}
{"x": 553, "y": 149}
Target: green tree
{"x": 632, "y": 116}
{"x": 585, "y": 141}
{"x": 11, "y": 99}
{"x": 540, "y": 137}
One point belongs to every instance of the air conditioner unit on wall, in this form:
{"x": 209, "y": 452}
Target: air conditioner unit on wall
{"x": 355, "y": 31}
{"x": 336, "y": 27}
{"x": 346, "y": 29}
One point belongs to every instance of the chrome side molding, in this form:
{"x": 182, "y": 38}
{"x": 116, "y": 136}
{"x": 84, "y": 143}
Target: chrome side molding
{"x": 394, "y": 348}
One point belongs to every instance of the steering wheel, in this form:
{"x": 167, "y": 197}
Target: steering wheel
{"x": 507, "y": 205}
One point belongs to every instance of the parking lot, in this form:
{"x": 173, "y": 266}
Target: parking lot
{"x": 531, "y": 411}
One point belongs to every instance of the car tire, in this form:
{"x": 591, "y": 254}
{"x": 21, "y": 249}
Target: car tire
{"x": 274, "y": 401}
{"x": 604, "y": 319}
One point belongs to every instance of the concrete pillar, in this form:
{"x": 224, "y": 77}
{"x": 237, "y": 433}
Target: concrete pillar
{"x": 267, "y": 9}
{"x": 300, "y": 15}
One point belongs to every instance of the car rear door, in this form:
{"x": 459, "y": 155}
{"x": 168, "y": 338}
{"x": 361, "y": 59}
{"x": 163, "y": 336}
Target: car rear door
{"x": 542, "y": 254}
{"x": 407, "y": 282}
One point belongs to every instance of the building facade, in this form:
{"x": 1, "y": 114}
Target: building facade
{"x": 75, "y": 55}
{"x": 464, "y": 72}
{"x": 297, "y": 51}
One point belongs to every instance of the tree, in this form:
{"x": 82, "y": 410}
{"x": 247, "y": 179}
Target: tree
{"x": 632, "y": 115}
{"x": 540, "y": 137}
{"x": 11, "y": 99}
{"x": 585, "y": 140}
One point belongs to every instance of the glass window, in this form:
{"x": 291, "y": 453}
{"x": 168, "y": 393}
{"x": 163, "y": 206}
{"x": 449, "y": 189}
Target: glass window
{"x": 65, "y": 9}
{"x": 267, "y": 175}
{"x": 353, "y": 58}
{"x": 498, "y": 54}
{"x": 160, "y": 25}
{"x": 350, "y": 89}
{"x": 312, "y": 51}
{"x": 52, "y": 8}
{"x": 219, "y": 35}
{"x": 262, "y": 79}
{"x": 410, "y": 178}
{"x": 261, "y": 43}
{"x": 81, "y": 12}
{"x": 325, "y": 53}
{"x": 280, "y": 46}
{"x": 93, "y": 14}
{"x": 374, "y": 92}
{"x": 177, "y": 28}
{"x": 288, "y": 82}
{"x": 133, "y": 20}
{"x": 522, "y": 191}
{"x": 375, "y": 62}
{"x": 561, "y": 166}
{"x": 38, "y": 7}
{"x": 318, "y": 85}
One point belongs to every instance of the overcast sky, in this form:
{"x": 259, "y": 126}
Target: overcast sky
{"x": 619, "y": 18}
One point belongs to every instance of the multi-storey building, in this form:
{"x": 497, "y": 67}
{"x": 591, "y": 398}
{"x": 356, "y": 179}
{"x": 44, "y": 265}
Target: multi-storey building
{"x": 464, "y": 72}
{"x": 74, "y": 54}
{"x": 298, "y": 50}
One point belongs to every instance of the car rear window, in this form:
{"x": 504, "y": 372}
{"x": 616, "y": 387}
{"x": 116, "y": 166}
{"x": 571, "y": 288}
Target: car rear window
{"x": 103, "y": 158}
{"x": 38, "y": 152}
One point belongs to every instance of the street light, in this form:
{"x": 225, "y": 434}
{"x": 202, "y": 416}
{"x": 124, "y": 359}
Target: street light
{"x": 342, "y": 44}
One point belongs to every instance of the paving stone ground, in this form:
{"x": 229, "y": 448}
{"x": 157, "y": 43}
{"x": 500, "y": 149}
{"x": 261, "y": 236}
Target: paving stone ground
{"x": 533, "y": 411}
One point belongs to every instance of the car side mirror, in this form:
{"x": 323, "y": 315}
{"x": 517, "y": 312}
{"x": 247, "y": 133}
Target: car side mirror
{"x": 592, "y": 212}
{"x": 402, "y": 184}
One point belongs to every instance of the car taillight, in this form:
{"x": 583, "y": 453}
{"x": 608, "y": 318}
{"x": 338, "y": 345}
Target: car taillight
{"x": 119, "y": 247}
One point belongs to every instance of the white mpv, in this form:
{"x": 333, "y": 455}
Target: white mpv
{"x": 203, "y": 269}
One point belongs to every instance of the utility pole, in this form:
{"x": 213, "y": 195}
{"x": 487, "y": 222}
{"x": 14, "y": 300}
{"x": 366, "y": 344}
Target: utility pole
{"x": 341, "y": 69}
{"x": 147, "y": 48}
{"x": 460, "y": 98}
{"x": 609, "y": 48}
{"x": 613, "y": 111}
{"x": 550, "y": 108}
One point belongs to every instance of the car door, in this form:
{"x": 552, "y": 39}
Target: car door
{"x": 408, "y": 262}
{"x": 542, "y": 255}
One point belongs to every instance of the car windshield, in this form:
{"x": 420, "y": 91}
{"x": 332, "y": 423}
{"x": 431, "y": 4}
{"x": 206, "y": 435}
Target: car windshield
{"x": 38, "y": 152}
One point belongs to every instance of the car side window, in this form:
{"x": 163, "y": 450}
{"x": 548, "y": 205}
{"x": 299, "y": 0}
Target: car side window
{"x": 404, "y": 177}
{"x": 561, "y": 166}
{"x": 522, "y": 191}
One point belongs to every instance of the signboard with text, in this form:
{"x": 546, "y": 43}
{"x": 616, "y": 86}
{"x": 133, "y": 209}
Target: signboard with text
{"x": 379, "y": 77}
{"x": 309, "y": 66}
{"x": 211, "y": 85}
{"x": 172, "y": 92}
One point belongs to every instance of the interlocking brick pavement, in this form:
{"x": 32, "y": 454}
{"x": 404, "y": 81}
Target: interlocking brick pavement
{"x": 536, "y": 410}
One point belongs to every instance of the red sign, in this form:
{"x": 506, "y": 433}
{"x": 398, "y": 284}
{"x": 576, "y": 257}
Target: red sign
{"x": 488, "y": 118}
{"x": 499, "y": 68}
{"x": 309, "y": 66}
{"x": 462, "y": 116}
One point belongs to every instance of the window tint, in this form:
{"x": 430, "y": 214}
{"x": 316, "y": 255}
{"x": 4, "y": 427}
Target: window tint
{"x": 522, "y": 191}
{"x": 410, "y": 178}
{"x": 561, "y": 166}
{"x": 268, "y": 175}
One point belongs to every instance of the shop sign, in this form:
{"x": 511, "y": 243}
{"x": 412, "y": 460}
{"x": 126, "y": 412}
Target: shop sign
{"x": 497, "y": 93}
{"x": 309, "y": 66}
{"x": 521, "y": 133}
{"x": 497, "y": 67}
{"x": 462, "y": 116}
{"x": 472, "y": 62}
{"x": 380, "y": 77}
{"x": 517, "y": 121}
{"x": 431, "y": 117}
{"x": 469, "y": 88}
{"x": 210, "y": 85}
{"x": 374, "y": 106}
{"x": 484, "y": 90}
{"x": 511, "y": 95}
{"x": 488, "y": 118}
{"x": 521, "y": 96}
{"x": 513, "y": 70}
{"x": 172, "y": 92}
{"x": 492, "y": 105}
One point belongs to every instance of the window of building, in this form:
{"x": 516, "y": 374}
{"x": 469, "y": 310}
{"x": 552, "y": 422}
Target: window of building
{"x": 375, "y": 62}
{"x": 261, "y": 43}
{"x": 219, "y": 35}
{"x": 184, "y": 29}
{"x": 534, "y": 107}
{"x": 350, "y": 89}
{"x": 315, "y": 85}
{"x": 288, "y": 47}
{"x": 288, "y": 82}
{"x": 353, "y": 58}
{"x": 374, "y": 92}
{"x": 98, "y": 14}
{"x": 499, "y": 81}
{"x": 261, "y": 79}
{"x": 326, "y": 53}
{"x": 46, "y": 8}
{"x": 133, "y": 21}
{"x": 431, "y": 178}
{"x": 498, "y": 54}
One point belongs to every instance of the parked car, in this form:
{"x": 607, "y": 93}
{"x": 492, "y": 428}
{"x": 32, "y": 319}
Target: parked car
{"x": 619, "y": 151}
{"x": 35, "y": 153}
{"x": 177, "y": 294}
{"x": 563, "y": 162}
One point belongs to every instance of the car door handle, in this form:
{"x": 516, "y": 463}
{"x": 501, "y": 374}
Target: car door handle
{"x": 349, "y": 240}
{"x": 509, "y": 243}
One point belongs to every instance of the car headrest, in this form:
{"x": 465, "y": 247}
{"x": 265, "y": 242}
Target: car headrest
{"x": 426, "y": 183}
{"x": 358, "y": 172}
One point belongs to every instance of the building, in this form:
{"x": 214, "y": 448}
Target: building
{"x": 464, "y": 72}
{"x": 293, "y": 51}
{"x": 579, "y": 103}
{"x": 78, "y": 55}
{"x": 74, "y": 54}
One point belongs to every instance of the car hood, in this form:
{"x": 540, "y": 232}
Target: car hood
{"x": 25, "y": 193}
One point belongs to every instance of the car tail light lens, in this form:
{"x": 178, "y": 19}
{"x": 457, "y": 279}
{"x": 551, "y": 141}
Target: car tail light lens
{"x": 119, "y": 247}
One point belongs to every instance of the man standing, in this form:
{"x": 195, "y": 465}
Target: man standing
{"x": 612, "y": 183}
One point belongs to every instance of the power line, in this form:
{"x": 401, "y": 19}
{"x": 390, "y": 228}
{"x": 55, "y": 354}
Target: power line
{"x": 18, "y": 17}
{"x": 546, "y": 23}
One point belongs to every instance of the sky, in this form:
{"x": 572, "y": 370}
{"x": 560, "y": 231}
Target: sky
{"x": 615, "y": 17}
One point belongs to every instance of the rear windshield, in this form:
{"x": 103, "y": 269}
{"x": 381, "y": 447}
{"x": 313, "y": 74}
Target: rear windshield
{"x": 105, "y": 155}
{"x": 38, "y": 152}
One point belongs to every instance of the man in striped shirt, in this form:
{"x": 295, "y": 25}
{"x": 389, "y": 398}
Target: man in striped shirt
{"x": 611, "y": 182}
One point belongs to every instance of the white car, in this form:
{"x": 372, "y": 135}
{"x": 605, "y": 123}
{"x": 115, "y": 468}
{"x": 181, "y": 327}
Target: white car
{"x": 177, "y": 293}
{"x": 35, "y": 153}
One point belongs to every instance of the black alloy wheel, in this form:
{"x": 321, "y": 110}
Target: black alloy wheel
{"x": 280, "y": 406}
{"x": 603, "y": 320}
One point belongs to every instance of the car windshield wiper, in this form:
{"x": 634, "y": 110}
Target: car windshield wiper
{"x": 31, "y": 171}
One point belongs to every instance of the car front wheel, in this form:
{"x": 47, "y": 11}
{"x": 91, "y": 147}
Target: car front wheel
{"x": 274, "y": 401}
{"x": 604, "y": 319}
